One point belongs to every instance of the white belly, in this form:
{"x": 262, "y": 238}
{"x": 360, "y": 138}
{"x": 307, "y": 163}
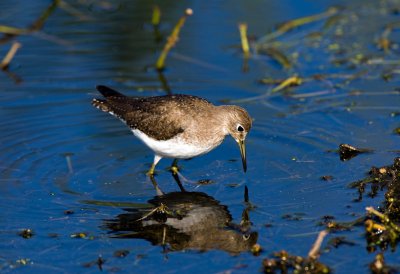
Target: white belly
{"x": 174, "y": 148}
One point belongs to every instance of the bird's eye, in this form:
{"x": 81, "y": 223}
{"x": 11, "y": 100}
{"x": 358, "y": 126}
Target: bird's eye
{"x": 240, "y": 128}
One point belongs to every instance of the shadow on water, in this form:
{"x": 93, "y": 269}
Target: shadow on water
{"x": 185, "y": 220}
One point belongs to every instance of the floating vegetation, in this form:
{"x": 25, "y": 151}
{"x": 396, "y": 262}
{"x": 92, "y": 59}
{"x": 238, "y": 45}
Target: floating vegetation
{"x": 382, "y": 227}
{"x": 378, "y": 266}
{"x": 347, "y": 152}
{"x": 172, "y": 40}
{"x": 342, "y": 45}
{"x": 256, "y": 249}
{"x": 284, "y": 262}
{"x": 381, "y": 233}
{"x": 378, "y": 179}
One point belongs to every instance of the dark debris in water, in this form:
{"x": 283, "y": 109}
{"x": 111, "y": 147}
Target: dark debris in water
{"x": 99, "y": 262}
{"x": 327, "y": 178}
{"x": 294, "y": 216}
{"x": 333, "y": 226}
{"x": 339, "y": 241}
{"x": 205, "y": 182}
{"x": 346, "y": 151}
{"x": 26, "y": 233}
{"x": 68, "y": 212}
{"x": 378, "y": 179}
{"x": 81, "y": 235}
{"x": 121, "y": 253}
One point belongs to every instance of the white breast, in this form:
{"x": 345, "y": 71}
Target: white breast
{"x": 174, "y": 148}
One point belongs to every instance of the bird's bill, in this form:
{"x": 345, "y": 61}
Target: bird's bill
{"x": 242, "y": 148}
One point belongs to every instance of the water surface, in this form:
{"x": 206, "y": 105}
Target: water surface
{"x": 67, "y": 168}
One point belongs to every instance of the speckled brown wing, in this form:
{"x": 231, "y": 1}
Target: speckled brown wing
{"x": 155, "y": 116}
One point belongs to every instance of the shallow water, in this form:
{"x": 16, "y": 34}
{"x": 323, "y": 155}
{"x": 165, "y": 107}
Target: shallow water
{"x": 68, "y": 168}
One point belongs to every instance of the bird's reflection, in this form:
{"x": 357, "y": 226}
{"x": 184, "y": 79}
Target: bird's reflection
{"x": 185, "y": 220}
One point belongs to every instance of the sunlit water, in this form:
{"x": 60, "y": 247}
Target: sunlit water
{"x": 59, "y": 155}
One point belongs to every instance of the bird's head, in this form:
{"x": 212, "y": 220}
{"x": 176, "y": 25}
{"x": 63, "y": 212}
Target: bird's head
{"x": 239, "y": 124}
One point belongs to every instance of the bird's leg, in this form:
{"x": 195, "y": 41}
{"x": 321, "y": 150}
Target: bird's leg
{"x": 157, "y": 158}
{"x": 150, "y": 173}
{"x": 174, "y": 167}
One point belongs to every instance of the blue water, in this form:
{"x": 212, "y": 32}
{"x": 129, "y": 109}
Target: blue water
{"x": 60, "y": 154}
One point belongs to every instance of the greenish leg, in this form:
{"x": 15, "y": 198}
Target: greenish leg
{"x": 150, "y": 173}
{"x": 151, "y": 170}
{"x": 174, "y": 168}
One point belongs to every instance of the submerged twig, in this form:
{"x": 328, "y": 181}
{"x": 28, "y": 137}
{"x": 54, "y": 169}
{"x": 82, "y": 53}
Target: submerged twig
{"x": 73, "y": 11}
{"x": 10, "y": 55}
{"x": 155, "y": 18}
{"x": 243, "y": 39}
{"x": 38, "y": 24}
{"x": 278, "y": 56}
{"x": 289, "y": 82}
{"x": 10, "y": 32}
{"x": 69, "y": 162}
{"x": 164, "y": 82}
{"x": 172, "y": 39}
{"x": 155, "y": 21}
{"x": 296, "y": 23}
{"x": 314, "y": 251}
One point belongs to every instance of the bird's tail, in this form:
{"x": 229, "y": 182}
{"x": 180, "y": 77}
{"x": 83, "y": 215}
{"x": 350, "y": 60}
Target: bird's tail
{"x": 108, "y": 92}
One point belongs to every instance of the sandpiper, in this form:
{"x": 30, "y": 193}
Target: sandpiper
{"x": 177, "y": 126}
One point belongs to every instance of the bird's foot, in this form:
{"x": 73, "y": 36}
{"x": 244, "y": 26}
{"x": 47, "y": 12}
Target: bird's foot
{"x": 174, "y": 167}
{"x": 174, "y": 170}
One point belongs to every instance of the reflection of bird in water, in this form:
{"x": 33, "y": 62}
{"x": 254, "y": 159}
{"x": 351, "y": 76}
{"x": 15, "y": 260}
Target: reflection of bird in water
{"x": 184, "y": 220}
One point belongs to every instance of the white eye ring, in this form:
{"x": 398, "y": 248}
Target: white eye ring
{"x": 246, "y": 237}
{"x": 240, "y": 128}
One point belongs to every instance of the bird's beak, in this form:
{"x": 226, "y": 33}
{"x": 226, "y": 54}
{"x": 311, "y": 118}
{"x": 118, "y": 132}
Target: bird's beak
{"x": 242, "y": 148}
